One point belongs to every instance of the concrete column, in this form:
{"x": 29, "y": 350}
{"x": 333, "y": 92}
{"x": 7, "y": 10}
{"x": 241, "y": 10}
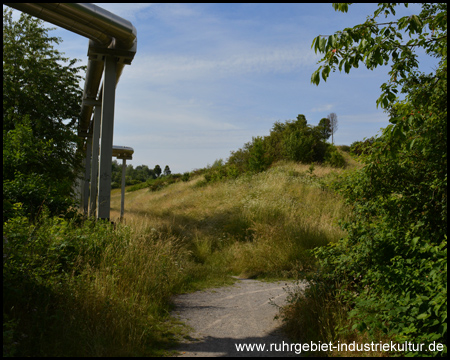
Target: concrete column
{"x": 106, "y": 134}
{"x": 94, "y": 166}
{"x": 87, "y": 173}
{"x": 78, "y": 188}
{"x": 122, "y": 200}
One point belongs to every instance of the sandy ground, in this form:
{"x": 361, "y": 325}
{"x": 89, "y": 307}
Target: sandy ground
{"x": 222, "y": 318}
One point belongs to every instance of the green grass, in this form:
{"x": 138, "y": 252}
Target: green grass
{"x": 96, "y": 290}
{"x": 261, "y": 224}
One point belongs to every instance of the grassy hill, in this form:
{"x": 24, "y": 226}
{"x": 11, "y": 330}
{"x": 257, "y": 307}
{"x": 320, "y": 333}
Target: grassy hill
{"x": 257, "y": 225}
{"x": 109, "y": 287}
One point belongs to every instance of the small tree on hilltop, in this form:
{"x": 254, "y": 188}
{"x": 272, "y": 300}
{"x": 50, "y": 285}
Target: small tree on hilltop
{"x": 157, "y": 170}
{"x": 332, "y": 118}
{"x": 324, "y": 128}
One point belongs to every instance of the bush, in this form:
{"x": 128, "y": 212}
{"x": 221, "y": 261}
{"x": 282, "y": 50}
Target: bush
{"x": 67, "y": 283}
{"x": 298, "y": 146}
{"x": 394, "y": 260}
{"x": 186, "y": 177}
{"x": 34, "y": 191}
{"x": 362, "y": 147}
{"x": 258, "y": 160}
{"x": 292, "y": 140}
{"x": 344, "y": 148}
{"x": 334, "y": 158}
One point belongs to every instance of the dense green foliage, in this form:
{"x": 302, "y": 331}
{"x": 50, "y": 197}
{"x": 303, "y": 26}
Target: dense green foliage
{"x": 133, "y": 176}
{"x": 293, "y": 140}
{"x": 142, "y": 176}
{"x": 391, "y": 269}
{"x": 376, "y": 44}
{"x": 86, "y": 288}
{"x": 41, "y": 95}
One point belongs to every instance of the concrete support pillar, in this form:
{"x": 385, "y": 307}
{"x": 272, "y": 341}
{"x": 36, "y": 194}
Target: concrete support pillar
{"x": 87, "y": 164}
{"x": 107, "y": 128}
{"x": 78, "y": 188}
{"x": 122, "y": 200}
{"x": 94, "y": 165}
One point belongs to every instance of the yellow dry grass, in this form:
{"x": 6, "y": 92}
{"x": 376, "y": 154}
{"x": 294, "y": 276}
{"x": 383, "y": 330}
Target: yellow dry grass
{"x": 257, "y": 224}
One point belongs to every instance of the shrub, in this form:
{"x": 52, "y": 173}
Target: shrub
{"x": 298, "y": 146}
{"x": 67, "y": 283}
{"x": 258, "y": 160}
{"x": 394, "y": 260}
{"x": 34, "y": 191}
{"x": 186, "y": 177}
{"x": 344, "y": 148}
{"x": 334, "y": 158}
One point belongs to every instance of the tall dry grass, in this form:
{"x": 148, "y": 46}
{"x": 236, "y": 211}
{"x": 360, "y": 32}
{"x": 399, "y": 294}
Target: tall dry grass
{"x": 89, "y": 289}
{"x": 258, "y": 225}
{"x": 187, "y": 236}
{"x": 122, "y": 303}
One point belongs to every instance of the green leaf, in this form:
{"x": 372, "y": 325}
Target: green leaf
{"x": 315, "y": 77}
{"x": 423, "y": 316}
{"x": 325, "y": 73}
{"x": 347, "y": 66}
{"x": 315, "y": 43}
{"x": 331, "y": 42}
{"x": 416, "y": 24}
{"x": 362, "y": 45}
{"x": 322, "y": 44}
{"x": 343, "y": 7}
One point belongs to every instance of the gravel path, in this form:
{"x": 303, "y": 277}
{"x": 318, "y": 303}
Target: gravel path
{"x": 238, "y": 314}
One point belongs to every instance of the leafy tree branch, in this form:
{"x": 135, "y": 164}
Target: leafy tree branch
{"x": 376, "y": 44}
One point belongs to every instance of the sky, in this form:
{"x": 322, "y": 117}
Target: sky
{"x": 207, "y": 78}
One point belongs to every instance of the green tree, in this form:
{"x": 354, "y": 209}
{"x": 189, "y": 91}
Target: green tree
{"x": 333, "y": 122}
{"x": 298, "y": 145}
{"x": 324, "y": 128}
{"x": 116, "y": 174}
{"x": 292, "y": 140}
{"x": 239, "y": 158}
{"x": 41, "y": 98}
{"x": 143, "y": 173}
{"x": 258, "y": 160}
{"x": 375, "y": 44}
{"x": 167, "y": 171}
{"x": 302, "y": 142}
{"x": 394, "y": 260}
{"x": 301, "y": 121}
{"x": 157, "y": 170}
{"x": 129, "y": 171}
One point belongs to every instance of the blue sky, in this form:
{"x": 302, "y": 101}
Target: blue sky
{"x": 206, "y": 78}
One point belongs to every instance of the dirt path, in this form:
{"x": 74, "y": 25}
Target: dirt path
{"x": 238, "y": 314}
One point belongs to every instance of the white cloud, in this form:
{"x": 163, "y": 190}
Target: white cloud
{"x": 128, "y": 11}
{"x": 168, "y": 68}
{"x": 326, "y": 107}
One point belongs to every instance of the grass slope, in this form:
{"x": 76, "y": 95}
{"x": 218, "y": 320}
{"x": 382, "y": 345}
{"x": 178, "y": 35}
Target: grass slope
{"x": 259, "y": 225}
{"x": 92, "y": 289}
